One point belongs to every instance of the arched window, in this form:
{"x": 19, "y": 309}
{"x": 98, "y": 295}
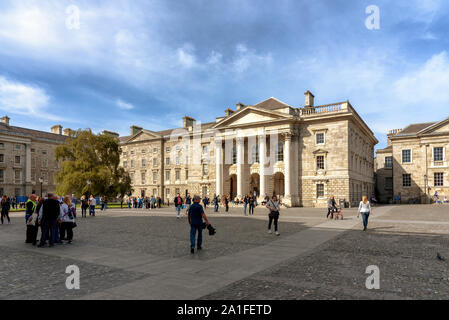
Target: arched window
{"x": 280, "y": 152}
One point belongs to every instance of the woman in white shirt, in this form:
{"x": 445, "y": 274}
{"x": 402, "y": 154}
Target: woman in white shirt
{"x": 274, "y": 206}
{"x": 365, "y": 210}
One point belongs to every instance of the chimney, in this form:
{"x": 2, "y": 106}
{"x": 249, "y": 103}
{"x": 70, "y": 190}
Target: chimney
{"x": 111, "y": 134}
{"x": 228, "y": 112}
{"x": 5, "y": 120}
{"x": 239, "y": 106}
{"x": 135, "y": 130}
{"x": 309, "y": 99}
{"x": 188, "y": 122}
{"x": 56, "y": 129}
{"x": 68, "y": 132}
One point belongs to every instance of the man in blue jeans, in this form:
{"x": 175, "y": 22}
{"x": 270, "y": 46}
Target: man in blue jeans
{"x": 196, "y": 216}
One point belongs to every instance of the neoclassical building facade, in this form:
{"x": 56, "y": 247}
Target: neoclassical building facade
{"x": 414, "y": 165}
{"x": 303, "y": 155}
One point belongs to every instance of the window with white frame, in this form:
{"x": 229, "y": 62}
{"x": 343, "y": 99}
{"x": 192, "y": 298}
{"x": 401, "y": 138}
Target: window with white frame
{"x": 154, "y": 176}
{"x": 438, "y": 154}
{"x": 320, "y": 162}
{"x": 255, "y": 153}
{"x": 178, "y": 175}
{"x": 167, "y": 175}
{"x": 154, "y": 162}
{"x": 438, "y": 179}
{"x": 280, "y": 152}
{"x": 406, "y": 156}
{"x": 320, "y": 138}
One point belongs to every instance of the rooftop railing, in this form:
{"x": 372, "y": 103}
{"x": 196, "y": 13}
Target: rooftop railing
{"x": 395, "y": 131}
{"x": 335, "y": 107}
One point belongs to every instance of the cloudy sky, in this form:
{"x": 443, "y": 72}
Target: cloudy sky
{"x": 150, "y": 62}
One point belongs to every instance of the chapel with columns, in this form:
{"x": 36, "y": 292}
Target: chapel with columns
{"x": 302, "y": 155}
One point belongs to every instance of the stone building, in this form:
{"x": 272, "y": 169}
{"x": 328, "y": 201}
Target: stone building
{"x": 414, "y": 164}
{"x": 301, "y": 154}
{"x": 27, "y": 155}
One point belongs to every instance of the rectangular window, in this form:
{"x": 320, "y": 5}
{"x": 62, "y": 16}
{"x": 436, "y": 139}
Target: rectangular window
{"x": 167, "y": 149}
{"x": 280, "y": 152}
{"x": 406, "y": 156}
{"x": 320, "y": 190}
{"x": 17, "y": 175}
{"x": 234, "y": 155}
{"x": 154, "y": 176}
{"x": 154, "y": 150}
{"x": 438, "y": 154}
{"x": 125, "y": 153}
{"x": 17, "y": 160}
{"x": 178, "y": 175}
{"x": 255, "y": 154}
{"x": 167, "y": 161}
{"x": 2, "y": 175}
{"x": 17, "y": 146}
{"x": 144, "y": 151}
{"x": 178, "y": 161}
{"x": 388, "y": 162}
{"x": 388, "y": 183}
{"x": 132, "y": 163}
{"x": 407, "y": 180}
{"x": 439, "y": 179}
{"x": 144, "y": 162}
{"x": 320, "y": 138}
{"x": 177, "y": 190}
{"x": 187, "y": 174}
{"x": 2, "y": 145}
{"x": 142, "y": 175}
{"x": 154, "y": 162}
{"x": 205, "y": 169}
{"x": 167, "y": 175}
{"x": 2, "y": 158}
{"x": 320, "y": 162}
{"x": 132, "y": 152}
{"x": 204, "y": 149}
{"x": 33, "y": 150}
{"x": 125, "y": 164}
{"x": 155, "y": 192}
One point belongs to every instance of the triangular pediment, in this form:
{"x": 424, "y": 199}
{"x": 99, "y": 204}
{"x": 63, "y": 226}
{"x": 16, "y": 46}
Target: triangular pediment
{"x": 271, "y": 104}
{"x": 251, "y": 115}
{"x": 320, "y": 151}
{"x": 439, "y": 127}
{"x": 143, "y": 136}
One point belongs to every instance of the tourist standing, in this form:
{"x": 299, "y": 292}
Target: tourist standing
{"x": 365, "y": 210}
{"x": 49, "y": 213}
{"x": 245, "y": 204}
{"x": 252, "y": 204}
{"x": 331, "y": 206}
{"x": 30, "y": 206}
{"x": 205, "y": 202}
{"x": 92, "y": 204}
{"x": 196, "y": 216}
{"x": 178, "y": 204}
{"x": 6, "y": 206}
{"x": 84, "y": 206}
{"x": 67, "y": 219}
{"x": 33, "y": 224}
{"x": 274, "y": 207}
{"x": 188, "y": 203}
{"x": 226, "y": 202}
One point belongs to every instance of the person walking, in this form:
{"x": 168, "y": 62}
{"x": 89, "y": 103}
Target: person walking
{"x": 331, "y": 206}
{"x": 68, "y": 213}
{"x": 216, "y": 201}
{"x": 274, "y": 207}
{"x": 252, "y": 204}
{"x": 365, "y": 210}
{"x": 178, "y": 201}
{"x": 6, "y": 207}
{"x": 245, "y": 204}
{"x": 188, "y": 203}
{"x": 92, "y": 204}
{"x": 196, "y": 216}
{"x": 49, "y": 214}
{"x": 205, "y": 202}
{"x": 226, "y": 202}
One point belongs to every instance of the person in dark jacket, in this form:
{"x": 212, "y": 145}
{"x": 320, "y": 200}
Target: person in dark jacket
{"x": 216, "y": 203}
{"x": 49, "y": 214}
{"x": 6, "y": 206}
{"x": 178, "y": 201}
{"x": 33, "y": 225}
{"x": 252, "y": 203}
{"x": 196, "y": 216}
{"x": 30, "y": 205}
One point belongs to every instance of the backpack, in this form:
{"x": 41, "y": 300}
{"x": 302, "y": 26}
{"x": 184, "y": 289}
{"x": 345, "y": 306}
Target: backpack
{"x": 72, "y": 212}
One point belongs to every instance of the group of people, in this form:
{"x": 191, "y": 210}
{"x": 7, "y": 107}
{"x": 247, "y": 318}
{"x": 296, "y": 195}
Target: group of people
{"x": 437, "y": 199}
{"x": 55, "y": 216}
{"x": 151, "y": 202}
{"x": 364, "y": 209}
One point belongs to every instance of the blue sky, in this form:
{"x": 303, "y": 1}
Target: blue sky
{"x": 149, "y": 63}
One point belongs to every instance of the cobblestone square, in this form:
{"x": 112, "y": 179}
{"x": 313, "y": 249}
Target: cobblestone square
{"x": 142, "y": 254}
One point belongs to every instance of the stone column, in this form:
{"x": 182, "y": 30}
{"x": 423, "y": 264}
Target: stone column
{"x": 219, "y": 167}
{"x": 262, "y": 158}
{"x": 240, "y": 161}
{"x": 287, "y": 168}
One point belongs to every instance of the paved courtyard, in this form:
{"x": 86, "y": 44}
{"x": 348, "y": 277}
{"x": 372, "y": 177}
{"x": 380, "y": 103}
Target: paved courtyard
{"x": 141, "y": 254}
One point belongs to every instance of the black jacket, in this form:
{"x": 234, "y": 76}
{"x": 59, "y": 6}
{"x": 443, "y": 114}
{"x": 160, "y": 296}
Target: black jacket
{"x": 175, "y": 201}
{"x": 50, "y": 209}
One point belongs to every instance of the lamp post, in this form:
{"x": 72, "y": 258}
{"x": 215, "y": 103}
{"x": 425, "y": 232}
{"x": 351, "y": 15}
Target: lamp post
{"x": 41, "y": 180}
{"x": 88, "y": 188}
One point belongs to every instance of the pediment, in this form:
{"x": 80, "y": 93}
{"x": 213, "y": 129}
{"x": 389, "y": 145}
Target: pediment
{"x": 439, "y": 127}
{"x": 251, "y": 115}
{"x": 143, "y": 136}
{"x": 320, "y": 151}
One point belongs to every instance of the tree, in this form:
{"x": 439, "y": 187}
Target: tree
{"x": 95, "y": 158}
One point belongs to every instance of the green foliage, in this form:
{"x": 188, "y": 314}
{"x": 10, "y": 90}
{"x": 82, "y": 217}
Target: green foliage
{"x": 89, "y": 157}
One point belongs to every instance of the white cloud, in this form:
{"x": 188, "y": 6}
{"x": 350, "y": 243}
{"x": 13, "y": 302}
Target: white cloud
{"x": 124, "y": 105}
{"x": 185, "y": 57}
{"x": 22, "y": 98}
